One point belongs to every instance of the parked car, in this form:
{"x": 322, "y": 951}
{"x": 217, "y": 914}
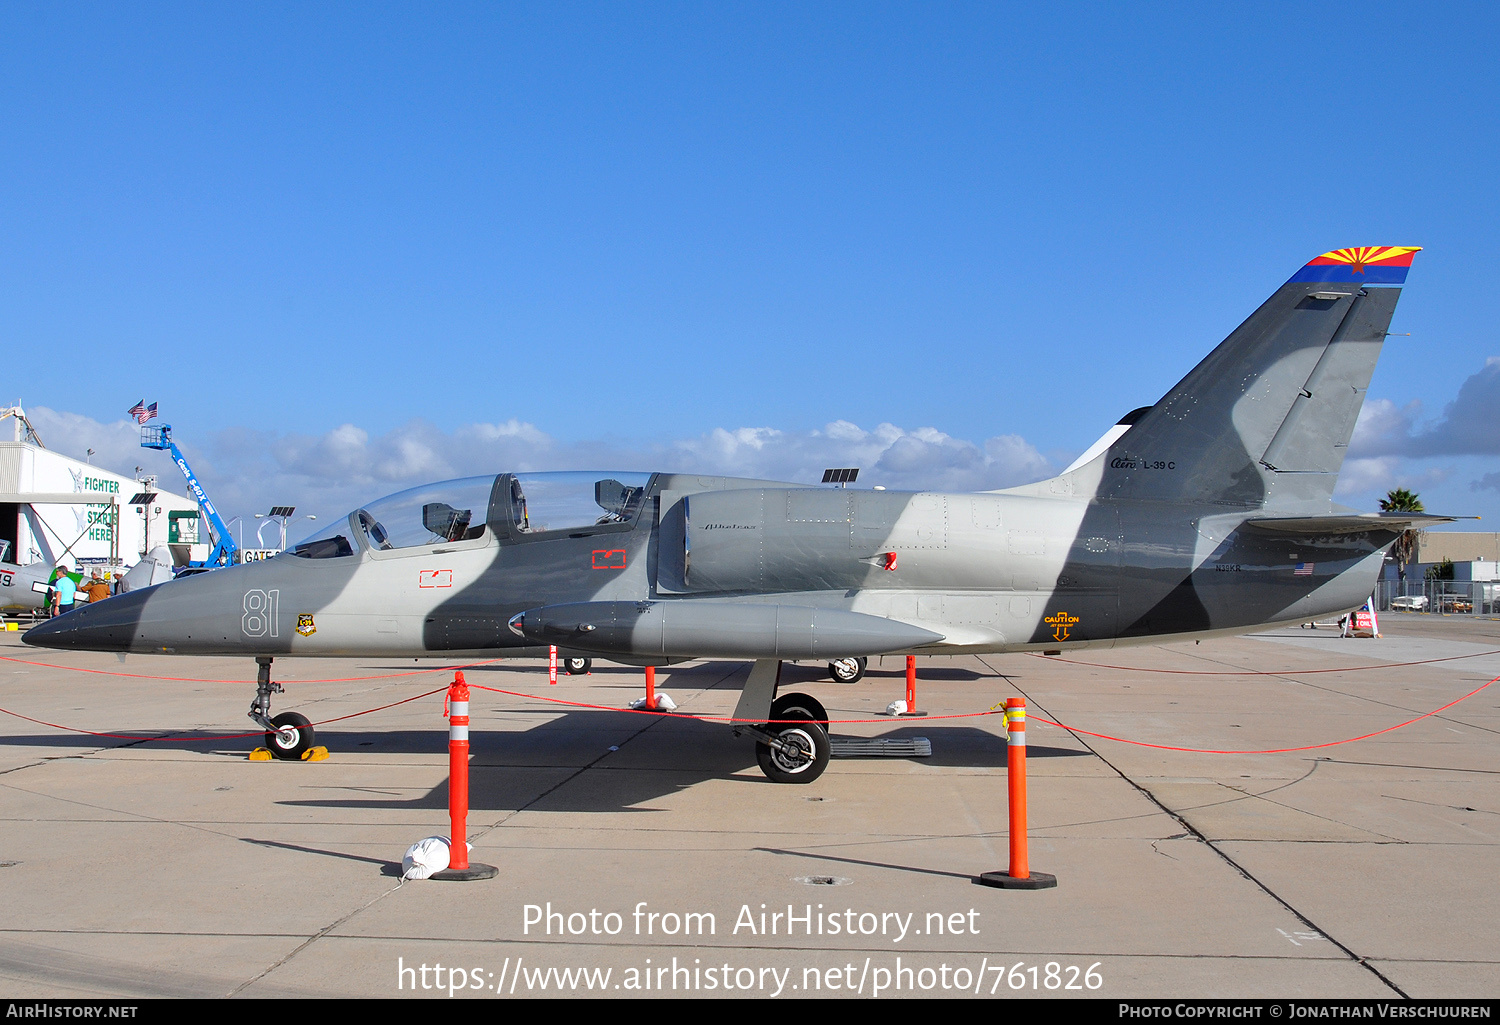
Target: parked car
{"x": 1409, "y": 603}
{"x": 1456, "y": 603}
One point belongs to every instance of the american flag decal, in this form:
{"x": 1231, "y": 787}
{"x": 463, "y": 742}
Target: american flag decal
{"x": 1304, "y": 569}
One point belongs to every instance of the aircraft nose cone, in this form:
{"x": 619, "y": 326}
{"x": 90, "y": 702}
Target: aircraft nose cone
{"x": 108, "y": 626}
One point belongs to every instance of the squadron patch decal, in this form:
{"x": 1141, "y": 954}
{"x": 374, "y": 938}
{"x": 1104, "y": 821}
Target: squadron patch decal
{"x": 305, "y": 625}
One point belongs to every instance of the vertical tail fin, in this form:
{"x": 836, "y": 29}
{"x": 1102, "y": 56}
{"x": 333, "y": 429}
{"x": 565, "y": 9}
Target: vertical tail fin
{"x": 1266, "y": 418}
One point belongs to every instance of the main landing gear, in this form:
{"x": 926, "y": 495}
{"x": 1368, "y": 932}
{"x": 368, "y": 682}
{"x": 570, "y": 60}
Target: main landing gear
{"x": 288, "y": 736}
{"x": 792, "y": 746}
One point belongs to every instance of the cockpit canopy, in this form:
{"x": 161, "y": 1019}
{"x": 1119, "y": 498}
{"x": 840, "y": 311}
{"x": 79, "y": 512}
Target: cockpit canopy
{"x": 511, "y": 506}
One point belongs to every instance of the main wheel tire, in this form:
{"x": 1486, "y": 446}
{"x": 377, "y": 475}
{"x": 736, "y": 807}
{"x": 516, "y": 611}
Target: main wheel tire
{"x": 806, "y": 759}
{"x": 799, "y": 706}
{"x": 578, "y": 666}
{"x": 847, "y": 670}
{"x": 293, "y": 737}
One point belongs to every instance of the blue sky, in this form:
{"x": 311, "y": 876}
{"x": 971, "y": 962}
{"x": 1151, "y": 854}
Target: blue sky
{"x": 351, "y": 247}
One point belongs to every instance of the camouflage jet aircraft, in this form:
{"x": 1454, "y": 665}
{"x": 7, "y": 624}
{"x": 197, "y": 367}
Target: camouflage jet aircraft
{"x": 1208, "y": 513}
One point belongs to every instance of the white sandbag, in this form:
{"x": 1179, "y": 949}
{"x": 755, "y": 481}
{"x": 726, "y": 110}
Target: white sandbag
{"x": 425, "y": 857}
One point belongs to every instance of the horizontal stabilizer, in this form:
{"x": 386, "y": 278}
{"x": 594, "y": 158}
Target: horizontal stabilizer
{"x": 716, "y": 630}
{"x": 1357, "y": 523}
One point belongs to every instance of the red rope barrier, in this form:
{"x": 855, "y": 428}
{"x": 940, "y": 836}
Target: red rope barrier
{"x": 226, "y": 736}
{"x": 1258, "y": 672}
{"x": 730, "y": 719}
{"x": 189, "y": 679}
{"x": 1269, "y": 751}
{"x": 700, "y": 718}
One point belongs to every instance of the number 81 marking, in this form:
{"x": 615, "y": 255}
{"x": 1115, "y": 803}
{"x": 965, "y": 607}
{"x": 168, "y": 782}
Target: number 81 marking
{"x": 261, "y": 608}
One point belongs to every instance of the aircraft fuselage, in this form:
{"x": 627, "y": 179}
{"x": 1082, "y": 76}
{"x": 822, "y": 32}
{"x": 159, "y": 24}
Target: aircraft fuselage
{"x": 988, "y": 572}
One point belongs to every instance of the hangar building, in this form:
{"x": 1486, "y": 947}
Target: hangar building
{"x": 54, "y": 507}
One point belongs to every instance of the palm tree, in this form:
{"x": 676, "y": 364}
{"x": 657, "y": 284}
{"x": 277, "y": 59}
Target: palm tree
{"x": 1401, "y": 500}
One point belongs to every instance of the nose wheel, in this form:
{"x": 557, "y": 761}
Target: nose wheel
{"x": 293, "y": 736}
{"x": 288, "y": 735}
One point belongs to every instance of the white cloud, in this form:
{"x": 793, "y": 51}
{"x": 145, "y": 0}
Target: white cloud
{"x": 1465, "y": 428}
{"x": 1378, "y": 476}
{"x": 1367, "y": 475}
{"x": 1383, "y": 428}
{"x": 247, "y": 470}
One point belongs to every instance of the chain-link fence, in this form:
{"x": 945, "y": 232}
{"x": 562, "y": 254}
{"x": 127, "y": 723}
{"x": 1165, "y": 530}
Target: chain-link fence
{"x": 1439, "y": 597}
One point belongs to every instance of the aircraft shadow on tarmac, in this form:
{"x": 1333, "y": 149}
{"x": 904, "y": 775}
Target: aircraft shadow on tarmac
{"x": 521, "y": 756}
{"x": 654, "y": 758}
{"x": 512, "y": 770}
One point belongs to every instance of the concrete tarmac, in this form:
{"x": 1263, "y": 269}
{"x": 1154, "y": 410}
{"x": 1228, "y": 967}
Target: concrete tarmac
{"x": 652, "y": 849}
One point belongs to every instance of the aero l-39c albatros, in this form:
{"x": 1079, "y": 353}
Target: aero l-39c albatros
{"x": 1208, "y": 513}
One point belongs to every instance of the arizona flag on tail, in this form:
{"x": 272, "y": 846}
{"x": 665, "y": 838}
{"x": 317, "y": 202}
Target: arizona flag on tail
{"x": 1365, "y": 265}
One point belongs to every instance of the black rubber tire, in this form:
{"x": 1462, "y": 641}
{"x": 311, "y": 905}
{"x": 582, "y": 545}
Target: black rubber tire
{"x": 799, "y": 706}
{"x": 839, "y": 670}
{"x": 291, "y": 748}
{"x": 811, "y": 740}
{"x": 578, "y": 666}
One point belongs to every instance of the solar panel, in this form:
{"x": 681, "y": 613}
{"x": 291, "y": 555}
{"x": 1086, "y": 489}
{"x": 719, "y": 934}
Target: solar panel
{"x": 841, "y": 476}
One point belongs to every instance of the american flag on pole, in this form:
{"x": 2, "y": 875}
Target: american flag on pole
{"x": 142, "y": 412}
{"x": 150, "y": 412}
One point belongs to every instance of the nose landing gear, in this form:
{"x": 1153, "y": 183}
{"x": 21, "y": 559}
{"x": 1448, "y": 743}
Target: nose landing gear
{"x": 288, "y": 736}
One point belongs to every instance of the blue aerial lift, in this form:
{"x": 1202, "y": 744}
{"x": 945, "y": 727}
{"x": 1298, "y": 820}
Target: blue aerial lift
{"x": 224, "y": 548}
